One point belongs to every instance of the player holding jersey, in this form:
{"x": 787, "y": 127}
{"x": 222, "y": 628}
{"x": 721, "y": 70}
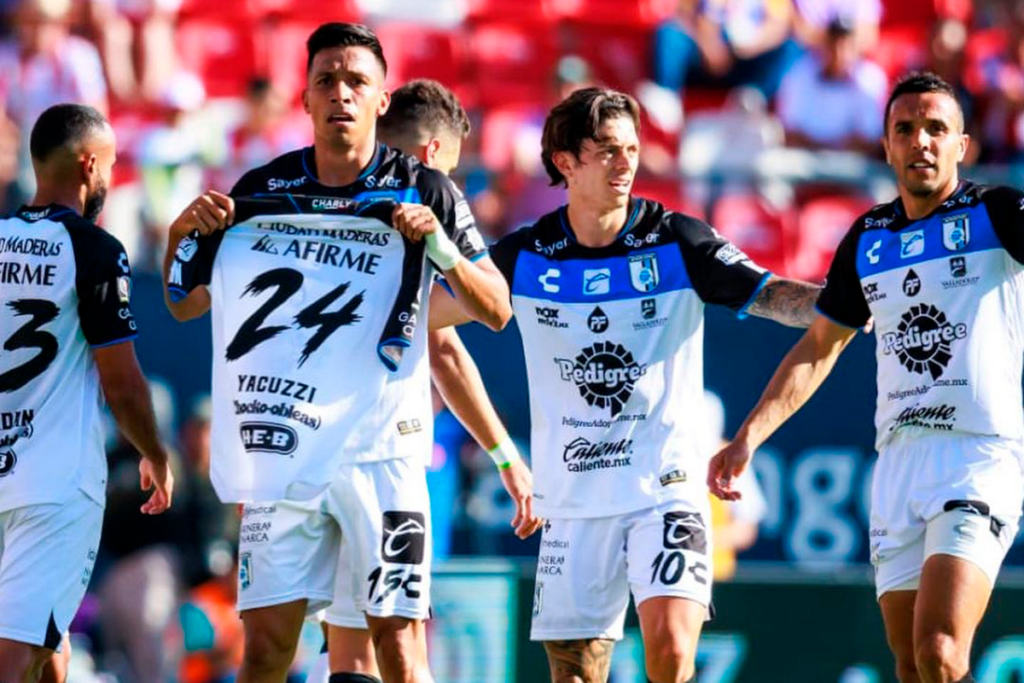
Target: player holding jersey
{"x": 66, "y": 327}
{"x": 322, "y": 415}
{"x": 940, "y": 272}
{"x": 608, "y": 292}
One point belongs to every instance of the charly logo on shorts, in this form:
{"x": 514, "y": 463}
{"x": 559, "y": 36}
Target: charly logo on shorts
{"x": 605, "y": 374}
{"x": 684, "y": 531}
{"x": 923, "y": 340}
{"x": 8, "y": 460}
{"x": 404, "y": 537}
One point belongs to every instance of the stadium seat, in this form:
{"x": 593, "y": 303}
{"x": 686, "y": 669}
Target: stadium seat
{"x": 528, "y": 11}
{"x": 223, "y": 53}
{"x": 224, "y": 9}
{"x": 619, "y": 55}
{"x": 512, "y": 63}
{"x": 615, "y": 13}
{"x": 821, "y": 225}
{"x": 920, "y": 13}
{"x": 756, "y": 228}
{"x": 318, "y": 11}
{"x": 415, "y": 51}
{"x": 669, "y": 192}
{"x": 499, "y": 131}
{"x": 900, "y": 47}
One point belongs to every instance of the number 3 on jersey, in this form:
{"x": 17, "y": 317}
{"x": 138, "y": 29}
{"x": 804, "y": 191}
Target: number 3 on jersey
{"x": 286, "y": 282}
{"x": 29, "y": 336}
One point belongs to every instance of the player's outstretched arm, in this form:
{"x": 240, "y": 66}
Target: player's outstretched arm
{"x": 127, "y": 394}
{"x": 799, "y": 375}
{"x": 457, "y": 378}
{"x": 478, "y": 286}
{"x": 787, "y": 302}
{"x": 209, "y": 212}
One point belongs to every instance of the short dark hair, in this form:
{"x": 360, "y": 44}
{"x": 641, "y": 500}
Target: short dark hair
{"x": 577, "y": 118}
{"x": 424, "y": 105}
{"x": 917, "y": 82}
{"x": 63, "y": 125}
{"x": 337, "y": 34}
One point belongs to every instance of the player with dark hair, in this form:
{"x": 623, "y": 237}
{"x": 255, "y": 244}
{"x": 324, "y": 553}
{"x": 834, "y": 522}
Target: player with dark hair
{"x": 608, "y": 292}
{"x": 322, "y": 416}
{"x": 427, "y": 121}
{"x": 940, "y": 272}
{"x": 66, "y": 329}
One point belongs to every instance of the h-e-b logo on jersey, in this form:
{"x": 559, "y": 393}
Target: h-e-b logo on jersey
{"x": 684, "y": 531}
{"x": 267, "y": 437}
{"x": 404, "y": 536}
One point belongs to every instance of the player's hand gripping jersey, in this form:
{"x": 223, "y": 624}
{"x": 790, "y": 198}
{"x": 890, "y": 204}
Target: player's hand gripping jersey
{"x": 946, "y": 295}
{"x": 319, "y": 328}
{"x": 64, "y": 287}
{"x": 613, "y": 339}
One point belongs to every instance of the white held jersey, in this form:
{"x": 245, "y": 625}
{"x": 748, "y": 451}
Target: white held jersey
{"x": 947, "y": 296}
{"x": 64, "y": 289}
{"x": 613, "y": 339}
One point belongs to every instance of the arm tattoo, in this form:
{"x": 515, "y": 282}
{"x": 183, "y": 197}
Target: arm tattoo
{"x": 788, "y": 302}
{"x": 579, "y": 661}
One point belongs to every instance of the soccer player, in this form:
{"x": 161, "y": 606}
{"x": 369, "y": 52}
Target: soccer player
{"x": 322, "y": 414}
{"x": 426, "y": 120}
{"x": 66, "y": 327}
{"x": 939, "y": 270}
{"x": 609, "y": 293}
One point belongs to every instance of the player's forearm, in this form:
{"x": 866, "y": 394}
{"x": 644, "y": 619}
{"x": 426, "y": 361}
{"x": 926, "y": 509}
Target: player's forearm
{"x": 127, "y": 395}
{"x": 787, "y": 302}
{"x": 196, "y": 302}
{"x": 483, "y": 294}
{"x": 799, "y": 375}
{"x": 458, "y": 380}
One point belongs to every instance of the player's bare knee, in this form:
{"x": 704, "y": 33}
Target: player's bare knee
{"x": 579, "y": 661}
{"x": 939, "y": 657}
{"x": 906, "y": 671}
{"x": 22, "y": 662}
{"x": 268, "y": 646}
{"x": 669, "y": 660}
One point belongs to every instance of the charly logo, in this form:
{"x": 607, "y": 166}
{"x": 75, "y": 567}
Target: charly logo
{"x": 922, "y": 341}
{"x": 911, "y": 283}
{"x": 267, "y": 437}
{"x": 8, "y": 460}
{"x": 605, "y": 374}
{"x": 643, "y": 272}
{"x": 872, "y": 253}
{"x": 956, "y": 232}
{"x": 684, "y": 531}
{"x": 403, "y": 538}
{"x": 598, "y": 321}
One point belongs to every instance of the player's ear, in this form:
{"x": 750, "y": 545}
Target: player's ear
{"x": 430, "y": 151}
{"x": 965, "y": 143}
{"x": 885, "y": 146}
{"x": 90, "y": 166}
{"x": 305, "y": 100}
{"x": 563, "y": 162}
{"x": 385, "y": 102}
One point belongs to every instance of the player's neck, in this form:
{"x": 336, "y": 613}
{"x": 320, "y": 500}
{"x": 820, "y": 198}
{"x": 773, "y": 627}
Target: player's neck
{"x": 71, "y": 198}
{"x": 594, "y": 226}
{"x": 341, "y": 166}
{"x": 918, "y": 207}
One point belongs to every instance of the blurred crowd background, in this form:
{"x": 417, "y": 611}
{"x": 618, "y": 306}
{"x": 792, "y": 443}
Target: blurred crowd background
{"x": 762, "y": 116}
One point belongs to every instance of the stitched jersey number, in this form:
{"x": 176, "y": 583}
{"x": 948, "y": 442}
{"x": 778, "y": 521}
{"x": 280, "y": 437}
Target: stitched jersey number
{"x": 286, "y": 282}
{"x": 29, "y": 336}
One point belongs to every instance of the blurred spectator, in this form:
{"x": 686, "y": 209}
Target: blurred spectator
{"x": 137, "y": 43}
{"x": 814, "y": 16}
{"x": 443, "y": 475}
{"x": 443, "y": 13}
{"x": 998, "y": 78}
{"x": 730, "y": 140}
{"x": 833, "y": 98}
{"x": 212, "y": 631}
{"x": 42, "y": 64}
{"x": 265, "y": 132}
{"x": 947, "y": 57}
{"x": 726, "y": 43}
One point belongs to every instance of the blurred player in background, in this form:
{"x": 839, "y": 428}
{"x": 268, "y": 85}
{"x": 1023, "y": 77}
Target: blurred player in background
{"x": 940, "y": 271}
{"x": 369, "y": 422}
{"x": 608, "y": 292}
{"x": 67, "y": 329}
{"x": 426, "y": 120}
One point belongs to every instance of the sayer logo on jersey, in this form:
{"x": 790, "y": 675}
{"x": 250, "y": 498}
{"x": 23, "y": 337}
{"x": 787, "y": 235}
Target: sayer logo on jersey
{"x": 643, "y": 272}
{"x": 922, "y": 341}
{"x": 605, "y": 374}
{"x": 684, "y": 531}
{"x": 597, "y": 281}
{"x": 956, "y": 232}
{"x": 404, "y": 537}
{"x": 598, "y": 321}
{"x": 912, "y": 243}
{"x": 267, "y": 437}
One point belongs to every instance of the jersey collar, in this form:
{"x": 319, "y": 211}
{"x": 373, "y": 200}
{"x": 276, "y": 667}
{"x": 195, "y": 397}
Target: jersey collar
{"x": 631, "y": 221}
{"x": 32, "y": 214}
{"x": 961, "y": 189}
{"x": 378, "y": 156}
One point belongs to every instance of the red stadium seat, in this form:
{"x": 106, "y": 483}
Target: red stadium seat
{"x": 821, "y": 225}
{"x": 286, "y": 47}
{"x": 224, "y": 9}
{"x": 528, "y": 11}
{"x": 920, "y": 13}
{"x": 615, "y": 12}
{"x": 318, "y": 11}
{"x": 416, "y": 51}
{"x": 669, "y": 192}
{"x": 759, "y": 230}
{"x": 222, "y": 53}
{"x": 900, "y": 47}
{"x": 619, "y": 55}
{"x": 512, "y": 63}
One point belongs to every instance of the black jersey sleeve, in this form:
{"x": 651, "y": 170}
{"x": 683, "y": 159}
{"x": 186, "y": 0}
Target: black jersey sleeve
{"x": 103, "y": 280}
{"x": 842, "y": 299}
{"x": 439, "y": 193}
{"x": 193, "y": 263}
{"x": 720, "y": 272}
{"x": 1005, "y": 207}
{"x": 505, "y": 253}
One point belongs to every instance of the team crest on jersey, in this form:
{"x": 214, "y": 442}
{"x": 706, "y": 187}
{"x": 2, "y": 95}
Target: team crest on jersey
{"x": 245, "y": 570}
{"x": 956, "y": 232}
{"x": 643, "y": 272}
{"x": 124, "y": 289}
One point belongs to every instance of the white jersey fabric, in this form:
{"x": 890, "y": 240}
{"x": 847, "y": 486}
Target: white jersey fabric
{"x": 64, "y": 287}
{"x": 613, "y": 339}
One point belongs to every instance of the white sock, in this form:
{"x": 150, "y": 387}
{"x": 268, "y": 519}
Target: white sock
{"x": 320, "y": 672}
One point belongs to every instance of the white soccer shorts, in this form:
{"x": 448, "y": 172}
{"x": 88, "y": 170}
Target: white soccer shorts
{"x": 958, "y": 496}
{"x": 587, "y": 568}
{"x": 47, "y": 554}
{"x": 291, "y": 550}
